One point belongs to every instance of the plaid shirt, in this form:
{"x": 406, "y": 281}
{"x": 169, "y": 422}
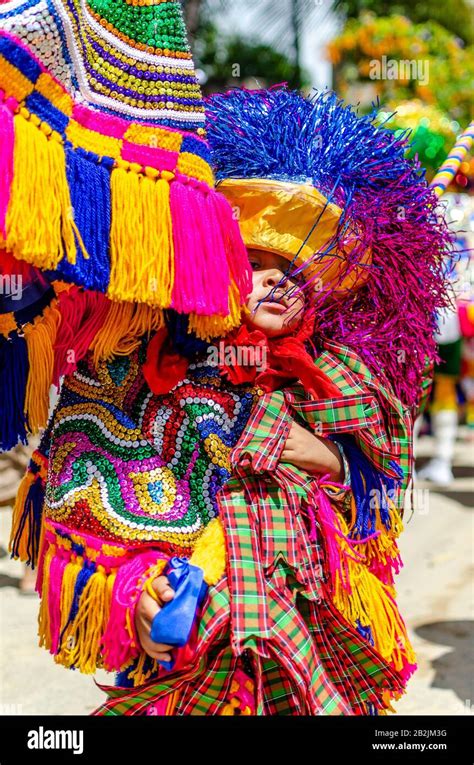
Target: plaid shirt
{"x": 274, "y": 599}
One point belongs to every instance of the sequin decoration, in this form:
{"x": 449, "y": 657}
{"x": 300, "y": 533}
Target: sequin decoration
{"x": 127, "y": 465}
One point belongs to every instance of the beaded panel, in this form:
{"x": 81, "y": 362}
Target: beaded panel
{"x": 151, "y": 474}
{"x": 125, "y": 58}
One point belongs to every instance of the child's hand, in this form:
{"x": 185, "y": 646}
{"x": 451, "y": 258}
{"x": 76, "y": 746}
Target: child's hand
{"x": 309, "y": 452}
{"x": 146, "y": 610}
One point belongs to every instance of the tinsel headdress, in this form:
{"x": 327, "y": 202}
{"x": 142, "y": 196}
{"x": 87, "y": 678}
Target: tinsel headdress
{"x": 334, "y": 194}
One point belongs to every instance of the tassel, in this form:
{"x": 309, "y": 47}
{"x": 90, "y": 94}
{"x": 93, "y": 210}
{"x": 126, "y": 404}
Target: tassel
{"x": 56, "y": 576}
{"x": 123, "y": 329}
{"x": 27, "y": 514}
{"x": 44, "y": 629}
{"x": 40, "y": 222}
{"x": 40, "y": 338}
{"x": 7, "y": 141}
{"x": 83, "y": 314}
{"x": 84, "y": 634}
{"x": 120, "y": 642}
{"x": 371, "y": 603}
{"x": 210, "y": 327}
{"x": 13, "y": 382}
{"x": 89, "y": 184}
{"x": 202, "y": 272}
{"x": 141, "y": 242}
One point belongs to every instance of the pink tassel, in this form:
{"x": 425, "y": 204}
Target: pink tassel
{"x": 56, "y": 573}
{"x": 119, "y": 646}
{"x": 202, "y": 279}
{"x": 7, "y": 142}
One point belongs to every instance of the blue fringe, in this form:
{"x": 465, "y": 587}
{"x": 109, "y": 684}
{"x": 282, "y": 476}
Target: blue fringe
{"x": 83, "y": 577}
{"x": 369, "y": 488}
{"x": 89, "y": 184}
{"x": 13, "y": 378}
{"x": 186, "y": 343}
{"x": 32, "y": 512}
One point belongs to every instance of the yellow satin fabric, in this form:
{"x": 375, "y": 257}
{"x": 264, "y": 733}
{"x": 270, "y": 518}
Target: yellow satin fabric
{"x": 280, "y": 217}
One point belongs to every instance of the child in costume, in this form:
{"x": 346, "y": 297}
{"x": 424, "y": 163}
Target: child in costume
{"x": 157, "y": 461}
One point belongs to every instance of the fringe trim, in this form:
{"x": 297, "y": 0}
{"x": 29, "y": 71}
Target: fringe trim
{"x": 25, "y": 533}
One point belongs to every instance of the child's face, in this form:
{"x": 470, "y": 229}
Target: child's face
{"x": 281, "y": 310}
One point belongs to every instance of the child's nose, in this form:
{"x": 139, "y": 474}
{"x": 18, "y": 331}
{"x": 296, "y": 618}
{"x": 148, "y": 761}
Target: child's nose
{"x": 273, "y": 277}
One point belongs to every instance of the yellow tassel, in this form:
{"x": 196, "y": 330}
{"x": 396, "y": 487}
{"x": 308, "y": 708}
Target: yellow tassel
{"x": 70, "y": 574}
{"x": 40, "y": 217}
{"x": 209, "y": 552}
{"x": 372, "y": 602}
{"x": 44, "y": 630}
{"x": 209, "y": 327}
{"x": 82, "y": 639}
{"x": 40, "y": 338}
{"x": 138, "y": 675}
{"x": 141, "y": 237}
{"x": 125, "y": 325}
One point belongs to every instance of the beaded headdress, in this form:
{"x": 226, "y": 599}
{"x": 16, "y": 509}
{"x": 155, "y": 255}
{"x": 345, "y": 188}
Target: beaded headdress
{"x": 335, "y": 195}
{"x": 106, "y": 181}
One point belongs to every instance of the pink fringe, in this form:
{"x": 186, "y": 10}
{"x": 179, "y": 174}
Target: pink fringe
{"x": 7, "y": 142}
{"x": 202, "y": 279}
{"x": 119, "y": 646}
{"x": 58, "y": 564}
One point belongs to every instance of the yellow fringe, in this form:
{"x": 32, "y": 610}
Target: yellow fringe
{"x": 81, "y": 643}
{"x": 141, "y": 237}
{"x": 40, "y": 216}
{"x": 40, "y": 338}
{"x": 139, "y": 676}
{"x": 371, "y": 601}
{"x": 209, "y": 552}
{"x": 123, "y": 328}
{"x": 209, "y": 327}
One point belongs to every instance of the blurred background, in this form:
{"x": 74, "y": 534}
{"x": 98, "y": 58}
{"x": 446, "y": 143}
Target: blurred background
{"x": 411, "y": 63}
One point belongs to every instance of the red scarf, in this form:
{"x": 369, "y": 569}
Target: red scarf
{"x": 284, "y": 359}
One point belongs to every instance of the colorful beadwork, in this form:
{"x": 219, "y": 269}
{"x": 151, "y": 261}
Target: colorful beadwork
{"x": 150, "y": 475}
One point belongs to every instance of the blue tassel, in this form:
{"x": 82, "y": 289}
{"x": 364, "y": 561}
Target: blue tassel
{"x": 367, "y": 484}
{"x": 83, "y": 577}
{"x": 32, "y": 514}
{"x": 13, "y": 378}
{"x": 184, "y": 342}
{"x": 89, "y": 184}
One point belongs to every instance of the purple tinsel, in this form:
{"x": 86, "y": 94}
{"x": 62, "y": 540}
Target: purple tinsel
{"x": 391, "y": 319}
